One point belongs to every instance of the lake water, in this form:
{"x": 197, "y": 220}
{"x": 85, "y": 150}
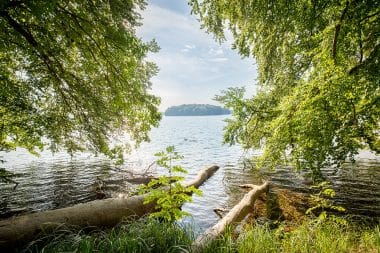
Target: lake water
{"x": 55, "y": 181}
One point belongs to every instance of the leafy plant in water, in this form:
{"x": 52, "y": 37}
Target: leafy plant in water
{"x": 322, "y": 201}
{"x": 167, "y": 191}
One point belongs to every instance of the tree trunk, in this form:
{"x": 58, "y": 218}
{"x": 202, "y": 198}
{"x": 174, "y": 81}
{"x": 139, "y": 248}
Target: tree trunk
{"x": 237, "y": 213}
{"x": 140, "y": 180}
{"x": 102, "y": 213}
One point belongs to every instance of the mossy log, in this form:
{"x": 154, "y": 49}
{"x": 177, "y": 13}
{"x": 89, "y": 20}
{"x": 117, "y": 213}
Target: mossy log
{"x": 235, "y": 215}
{"x": 17, "y": 230}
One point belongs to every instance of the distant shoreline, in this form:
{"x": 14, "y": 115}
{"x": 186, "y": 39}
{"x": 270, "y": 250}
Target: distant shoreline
{"x": 195, "y": 115}
{"x": 196, "y": 110}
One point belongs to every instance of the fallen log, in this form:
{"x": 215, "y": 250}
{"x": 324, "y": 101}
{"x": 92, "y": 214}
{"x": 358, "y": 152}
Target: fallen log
{"x": 237, "y": 213}
{"x": 17, "y": 230}
{"x": 140, "y": 180}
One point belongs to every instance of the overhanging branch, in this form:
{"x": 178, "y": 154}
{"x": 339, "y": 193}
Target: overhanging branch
{"x": 337, "y": 31}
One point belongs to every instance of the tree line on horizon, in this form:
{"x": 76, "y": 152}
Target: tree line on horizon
{"x": 196, "y": 110}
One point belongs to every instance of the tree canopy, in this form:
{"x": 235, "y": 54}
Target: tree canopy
{"x": 318, "y": 100}
{"x": 72, "y": 74}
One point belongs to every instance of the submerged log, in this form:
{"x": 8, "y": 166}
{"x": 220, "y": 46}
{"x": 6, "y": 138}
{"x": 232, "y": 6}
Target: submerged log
{"x": 220, "y": 212}
{"x": 100, "y": 213}
{"x": 237, "y": 213}
{"x": 140, "y": 180}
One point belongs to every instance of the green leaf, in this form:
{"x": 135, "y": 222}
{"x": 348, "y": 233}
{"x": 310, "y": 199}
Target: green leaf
{"x": 73, "y": 74}
{"x": 317, "y": 101}
{"x": 178, "y": 169}
{"x": 172, "y": 195}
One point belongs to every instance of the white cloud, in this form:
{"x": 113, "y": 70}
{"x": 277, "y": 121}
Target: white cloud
{"x": 166, "y": 23}
{"x": 190, "y": 46}
{"x": 216, "y": 52}
{"x": 193, "y": 67}
{"x": 219, "y": 59}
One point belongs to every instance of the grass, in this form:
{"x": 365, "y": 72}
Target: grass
{"x": 311, "y": 236}
{"x": 145, "y": 235}
{"x": 148, "y": 235}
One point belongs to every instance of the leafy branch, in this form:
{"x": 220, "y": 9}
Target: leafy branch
{"x": 322, "y": 202}
{"x": 167, "y": 191}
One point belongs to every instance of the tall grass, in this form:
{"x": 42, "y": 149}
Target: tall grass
{"x": 311, "y": 236}
{"x": 149, "y": 235}
{"x": 146, "y": 235}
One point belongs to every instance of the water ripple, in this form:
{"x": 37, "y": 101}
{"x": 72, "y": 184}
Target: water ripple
{"x": 59, "y": 180}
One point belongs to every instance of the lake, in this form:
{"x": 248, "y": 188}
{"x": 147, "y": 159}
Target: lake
{"x": 55, "y": 181}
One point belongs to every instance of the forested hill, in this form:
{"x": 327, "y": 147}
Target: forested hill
{"x": 196, "y": 110}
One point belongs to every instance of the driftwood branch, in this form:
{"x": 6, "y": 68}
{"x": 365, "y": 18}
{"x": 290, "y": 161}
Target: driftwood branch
{"x": 220, "y": 212}
{"x": 101, "y": 213}
{"x": 141, "y": 180}
{"x": 236, "y": 214}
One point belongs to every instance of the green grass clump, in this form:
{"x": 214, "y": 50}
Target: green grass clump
{"x": 311, "y": 236}
{"x": 151, "y": 235}
{"x": 146, "y": 235}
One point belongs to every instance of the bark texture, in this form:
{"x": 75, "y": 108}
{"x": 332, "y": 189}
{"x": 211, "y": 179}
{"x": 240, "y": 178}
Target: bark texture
{"x": 237, "y": 213}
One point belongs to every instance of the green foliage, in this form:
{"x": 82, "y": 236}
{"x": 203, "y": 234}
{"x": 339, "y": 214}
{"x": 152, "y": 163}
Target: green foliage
{"x": 146, "y": 235}
{"x": 72, "y": 74}
{"x": 321, "y": 237}
{"x": 322, "y": 203}
{"x": 318, "y": 100}
{"x": 151, "y": 235}
{"x": 167, "y": 191}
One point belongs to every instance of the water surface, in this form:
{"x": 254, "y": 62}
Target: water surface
{"x": 55, "y": 181}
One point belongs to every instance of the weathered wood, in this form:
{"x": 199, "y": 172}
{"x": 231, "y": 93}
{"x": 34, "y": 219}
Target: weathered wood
{"x": 237, "y": 213}
{"x": 202, "y": 176}
{"x": 220, "y": 212}
{"x": 145, "y": 180}
{"x": 140, "y": 180}
{"x": 102, "y": 213}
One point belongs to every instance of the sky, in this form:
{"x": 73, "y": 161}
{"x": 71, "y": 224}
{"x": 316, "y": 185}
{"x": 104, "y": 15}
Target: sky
{"x": 193, "y": 66}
